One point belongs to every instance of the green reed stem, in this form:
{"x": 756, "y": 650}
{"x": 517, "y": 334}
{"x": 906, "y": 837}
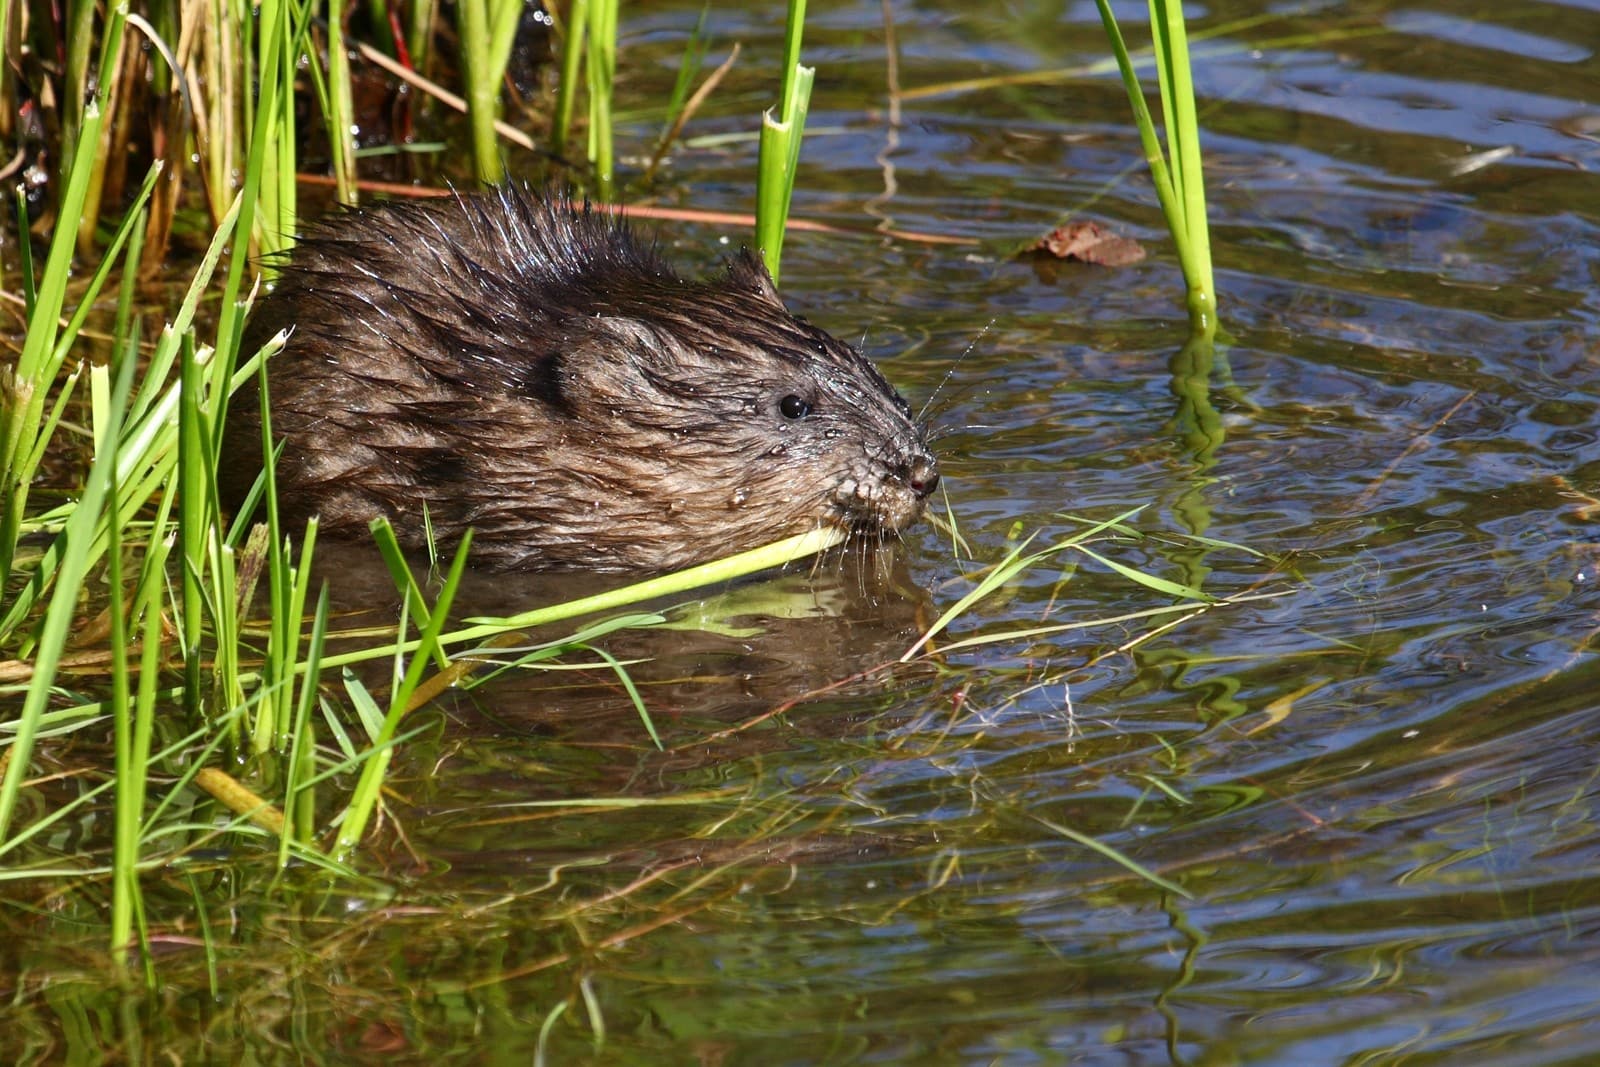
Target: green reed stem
{"x": 487, "y": 29}
{"x": 30, "y": 292}
{"x": 299, "y": 796}
{"x": 800, "y": 546}
{"x": 377, "y": 21}
{"x": 420, "y": 16}
{"x": 780, "y": 145}
{"x": 1180, "y": 187}
{"x": 129, "y": 778}
{"x": 573, "y": 47}
{"x": 79, "y": 41}
{"x": 340, "y": 106}
{"x": 689, "y": 65}
{"x": 602, "y": 71}
{"x": 289, "y": 583}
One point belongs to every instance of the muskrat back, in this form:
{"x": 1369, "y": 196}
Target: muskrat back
{"x": 528, "y": 369}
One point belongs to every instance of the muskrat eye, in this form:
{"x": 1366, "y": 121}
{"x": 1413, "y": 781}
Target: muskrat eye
{"x": 794, "y": 407}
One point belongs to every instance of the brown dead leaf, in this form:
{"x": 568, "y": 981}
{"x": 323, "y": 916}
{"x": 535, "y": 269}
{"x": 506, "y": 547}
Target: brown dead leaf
{"x": 1089, "y": 242}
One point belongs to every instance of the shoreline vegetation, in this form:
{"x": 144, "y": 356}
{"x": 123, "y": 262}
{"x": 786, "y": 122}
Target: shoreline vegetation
{"x": 215, "y": 676}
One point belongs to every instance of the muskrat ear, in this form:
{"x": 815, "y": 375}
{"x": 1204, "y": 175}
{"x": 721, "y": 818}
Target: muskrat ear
{"x": 748, "y": 273}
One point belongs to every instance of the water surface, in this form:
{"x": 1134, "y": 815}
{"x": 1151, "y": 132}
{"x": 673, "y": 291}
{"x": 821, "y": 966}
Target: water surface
{"x": 1377, "y": 786}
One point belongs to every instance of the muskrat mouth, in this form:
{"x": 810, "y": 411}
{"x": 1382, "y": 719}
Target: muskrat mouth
{"x": 890, "y": 505}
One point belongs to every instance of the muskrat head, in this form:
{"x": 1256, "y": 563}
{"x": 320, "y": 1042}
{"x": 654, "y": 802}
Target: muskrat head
{"x": 715, "y": 420}
{"x": 513, "y": 365}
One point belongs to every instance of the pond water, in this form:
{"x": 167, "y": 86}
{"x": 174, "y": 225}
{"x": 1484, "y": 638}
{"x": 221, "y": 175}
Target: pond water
{"x": 1375, "y": 774}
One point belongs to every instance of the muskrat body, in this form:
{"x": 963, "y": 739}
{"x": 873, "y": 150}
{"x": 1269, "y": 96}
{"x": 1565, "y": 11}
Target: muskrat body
{"x": 515, "y": 365}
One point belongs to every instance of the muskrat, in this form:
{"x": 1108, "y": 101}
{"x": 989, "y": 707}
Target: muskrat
{"x": 509, "y": 362}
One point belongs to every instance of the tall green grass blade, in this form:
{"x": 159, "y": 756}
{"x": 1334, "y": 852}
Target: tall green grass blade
{"x": 78, "y": 95}
{"x": 125, "y": 845}
{"x": 694, "y": 56}
{"x": 378, "y": 15}
{"x": 148, "y": 435}
{"x": 290, "y": 583}
{"x": 126, "y": 324}
{"x": 25, "y": 384}
{"x": 194, "y": 526}
{"x": 416, "y": 606}
{"x": 30, "y": 290}
{"x": 63, "y": 608}
{"x": 602, "y": 69}
{"x": 1183, "y": 147}
{"x": 33, "y": 430}
{"x": 340, "y": 106}
{"x": 132, "y": 224}
{"x": 255, "y": 214}
{"x": 573, "y": 46}
{"x": 364, "y": 798}
{"x": 420, "y": 15}
{"x": 299, "y": 797}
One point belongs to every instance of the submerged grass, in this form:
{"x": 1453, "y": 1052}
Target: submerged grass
{"x": 192, "y": 707}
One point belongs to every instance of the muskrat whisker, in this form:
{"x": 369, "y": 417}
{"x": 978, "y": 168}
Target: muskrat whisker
{"x": 922, "y": 414}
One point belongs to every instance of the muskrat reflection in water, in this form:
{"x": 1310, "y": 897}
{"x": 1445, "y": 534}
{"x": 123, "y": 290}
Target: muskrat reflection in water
{"x": 528, "y": 369}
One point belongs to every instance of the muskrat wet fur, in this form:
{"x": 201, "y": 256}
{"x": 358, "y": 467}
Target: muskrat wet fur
{"x": 511, "y": 363}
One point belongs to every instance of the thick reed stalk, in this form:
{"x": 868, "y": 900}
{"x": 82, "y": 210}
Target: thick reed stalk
{"x": 1177, "y": 171}
{"x": 780, "y": 145}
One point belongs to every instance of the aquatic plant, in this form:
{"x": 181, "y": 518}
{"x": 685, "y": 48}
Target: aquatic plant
{"x": 1176, "y": 171}
{"x": 780, "y": 144}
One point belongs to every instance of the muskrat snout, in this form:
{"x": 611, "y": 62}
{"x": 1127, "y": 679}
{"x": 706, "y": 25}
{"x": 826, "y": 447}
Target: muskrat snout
{"x": 516, "y": 366}
{"x": 922, "y": 475}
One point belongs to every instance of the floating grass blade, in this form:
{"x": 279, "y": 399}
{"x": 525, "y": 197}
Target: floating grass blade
{"x": 1014, "y": 563}
{"x": 626, "y": 679}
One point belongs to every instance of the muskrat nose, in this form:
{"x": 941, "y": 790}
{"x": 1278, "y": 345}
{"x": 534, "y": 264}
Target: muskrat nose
{"x": 922, "y": 476}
